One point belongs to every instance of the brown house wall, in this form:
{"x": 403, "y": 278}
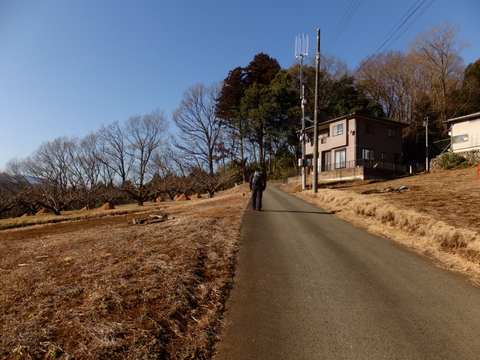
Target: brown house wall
{"x": 379, "y": 140}
{"x": 355, "y": 137}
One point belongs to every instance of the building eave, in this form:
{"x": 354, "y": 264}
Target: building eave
{"x": 464, "y": 118}
{"x": 361, "y": 116}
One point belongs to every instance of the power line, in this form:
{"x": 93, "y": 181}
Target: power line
{"x": 408, "y": 27}
{"x": 343, "y": 23}
{"x": 397, "y": 28}
{"x": 400, "y": 22}
{"x": 403, "y": 23}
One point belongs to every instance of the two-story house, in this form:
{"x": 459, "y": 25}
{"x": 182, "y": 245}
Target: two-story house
{"x": 357, "y": 146}
{"x": 465, "y": 132}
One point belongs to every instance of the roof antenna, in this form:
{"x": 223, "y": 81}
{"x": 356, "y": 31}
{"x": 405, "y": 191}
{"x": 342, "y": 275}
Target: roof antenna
{"x": 301, "y": 52}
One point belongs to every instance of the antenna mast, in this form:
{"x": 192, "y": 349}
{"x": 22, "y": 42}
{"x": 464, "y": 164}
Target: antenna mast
{"x": 301, "y": 52}
{"x": 315, "y": 120}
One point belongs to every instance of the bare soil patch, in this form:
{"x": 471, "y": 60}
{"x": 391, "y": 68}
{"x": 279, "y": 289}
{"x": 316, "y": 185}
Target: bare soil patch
{"x": 435, "y": 214}
{"x": 96, "y": 287}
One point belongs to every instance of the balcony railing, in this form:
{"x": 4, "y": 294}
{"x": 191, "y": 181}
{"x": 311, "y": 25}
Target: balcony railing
{"x": 372, "y": 164}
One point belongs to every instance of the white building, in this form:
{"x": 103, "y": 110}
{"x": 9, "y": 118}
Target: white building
{"x": 465, "y": 132}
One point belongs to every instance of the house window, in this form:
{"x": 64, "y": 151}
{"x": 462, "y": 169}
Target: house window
{"x": 340, "y": 159}
{"x": 459, "y": 139}
{"x": 327, "y": 161}
{"x": 384, "y": 156}
{"x": 392, "y": 133}
{"x": 368, "y": 154}
{"x": 323, "y": 138}
{"x": 369, "y": 128}
{"x": 337, "y": 129}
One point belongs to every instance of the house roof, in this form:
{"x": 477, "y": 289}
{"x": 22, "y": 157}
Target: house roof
{"x": 361, "y": 116}
{"x": 464, "y": 118}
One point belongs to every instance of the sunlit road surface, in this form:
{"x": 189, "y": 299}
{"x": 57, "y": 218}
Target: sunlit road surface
{"x": 311, "y": 286}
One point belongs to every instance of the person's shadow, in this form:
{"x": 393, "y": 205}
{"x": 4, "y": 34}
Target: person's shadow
{"x": 301, "y": 212}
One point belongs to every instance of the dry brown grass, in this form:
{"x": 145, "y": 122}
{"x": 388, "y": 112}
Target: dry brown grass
{"x": 96, "y": 287}
{"x": 438, "y": 216}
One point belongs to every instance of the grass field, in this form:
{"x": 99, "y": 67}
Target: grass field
{"x": 90, "y": 285}
{"x": 96, "y": 287}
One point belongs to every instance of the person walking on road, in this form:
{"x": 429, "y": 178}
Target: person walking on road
{"x": 258, "y": 183}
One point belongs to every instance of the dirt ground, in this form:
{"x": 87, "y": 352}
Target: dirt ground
{"x": 450, "y": 196}
{"x": 96, "y": 287}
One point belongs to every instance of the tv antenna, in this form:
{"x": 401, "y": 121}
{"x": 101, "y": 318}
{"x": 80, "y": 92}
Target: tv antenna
{"x": 301, "y": 46}
{"x": 301, "y": 52}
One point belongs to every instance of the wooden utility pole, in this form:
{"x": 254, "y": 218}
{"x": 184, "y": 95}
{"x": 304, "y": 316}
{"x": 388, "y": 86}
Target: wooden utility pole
{"x": 426, "y": 143}
{"x": 315, "y": 119}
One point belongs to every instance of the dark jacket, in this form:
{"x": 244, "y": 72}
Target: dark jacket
{"x": 259, "y": 179}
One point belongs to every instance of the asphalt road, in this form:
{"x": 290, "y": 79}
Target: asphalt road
{"x": 312, "y": 286}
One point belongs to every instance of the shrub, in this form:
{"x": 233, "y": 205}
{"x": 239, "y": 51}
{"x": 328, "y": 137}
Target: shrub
{"x": 449, "y": 161}
{"x": 465, "y": 165}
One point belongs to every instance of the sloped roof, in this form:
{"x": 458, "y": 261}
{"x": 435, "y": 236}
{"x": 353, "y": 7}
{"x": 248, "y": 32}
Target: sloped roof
{"x": 464, "y": 118}
{"x": 361, "y": 116}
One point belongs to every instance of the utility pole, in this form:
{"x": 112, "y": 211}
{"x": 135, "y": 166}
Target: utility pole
{"x": 301, "y": 52}
{"x": 426, "y": 144}
{"x": 315, "y": 120}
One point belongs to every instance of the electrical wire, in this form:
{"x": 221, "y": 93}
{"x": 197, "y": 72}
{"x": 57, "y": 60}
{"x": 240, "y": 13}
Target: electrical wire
{"x": 397, "y": 28}
{"x": 414, "y": 20}
{"x": 400, "y": 22}
{"x": 342, "y": 24}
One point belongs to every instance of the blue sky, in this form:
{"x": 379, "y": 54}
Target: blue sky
{"x": 69, "y": 66}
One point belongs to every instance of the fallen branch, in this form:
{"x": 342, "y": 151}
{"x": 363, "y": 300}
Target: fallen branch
{"x": 150, "y": 220}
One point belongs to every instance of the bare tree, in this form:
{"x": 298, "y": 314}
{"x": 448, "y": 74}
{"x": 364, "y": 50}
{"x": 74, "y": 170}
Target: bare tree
{"x": 211, "y": 183}
{"x": 88, "y": 165}
{"x": 144, "y": 135}
{"x": 10, "y": 190}
{"x": 49, "y": 181}
{"x": 169, "y": 173}
{"x": 436, "y": 54}
{"x": 21, "y": 188}
{"x": 113, "y": 152}
{"x": 389, "y": 79}
{"x": 200, "y": 137}
{"x": 126, "y": 152}
{"x": 87, "y": 168}
{"x": 425, "y": 81}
